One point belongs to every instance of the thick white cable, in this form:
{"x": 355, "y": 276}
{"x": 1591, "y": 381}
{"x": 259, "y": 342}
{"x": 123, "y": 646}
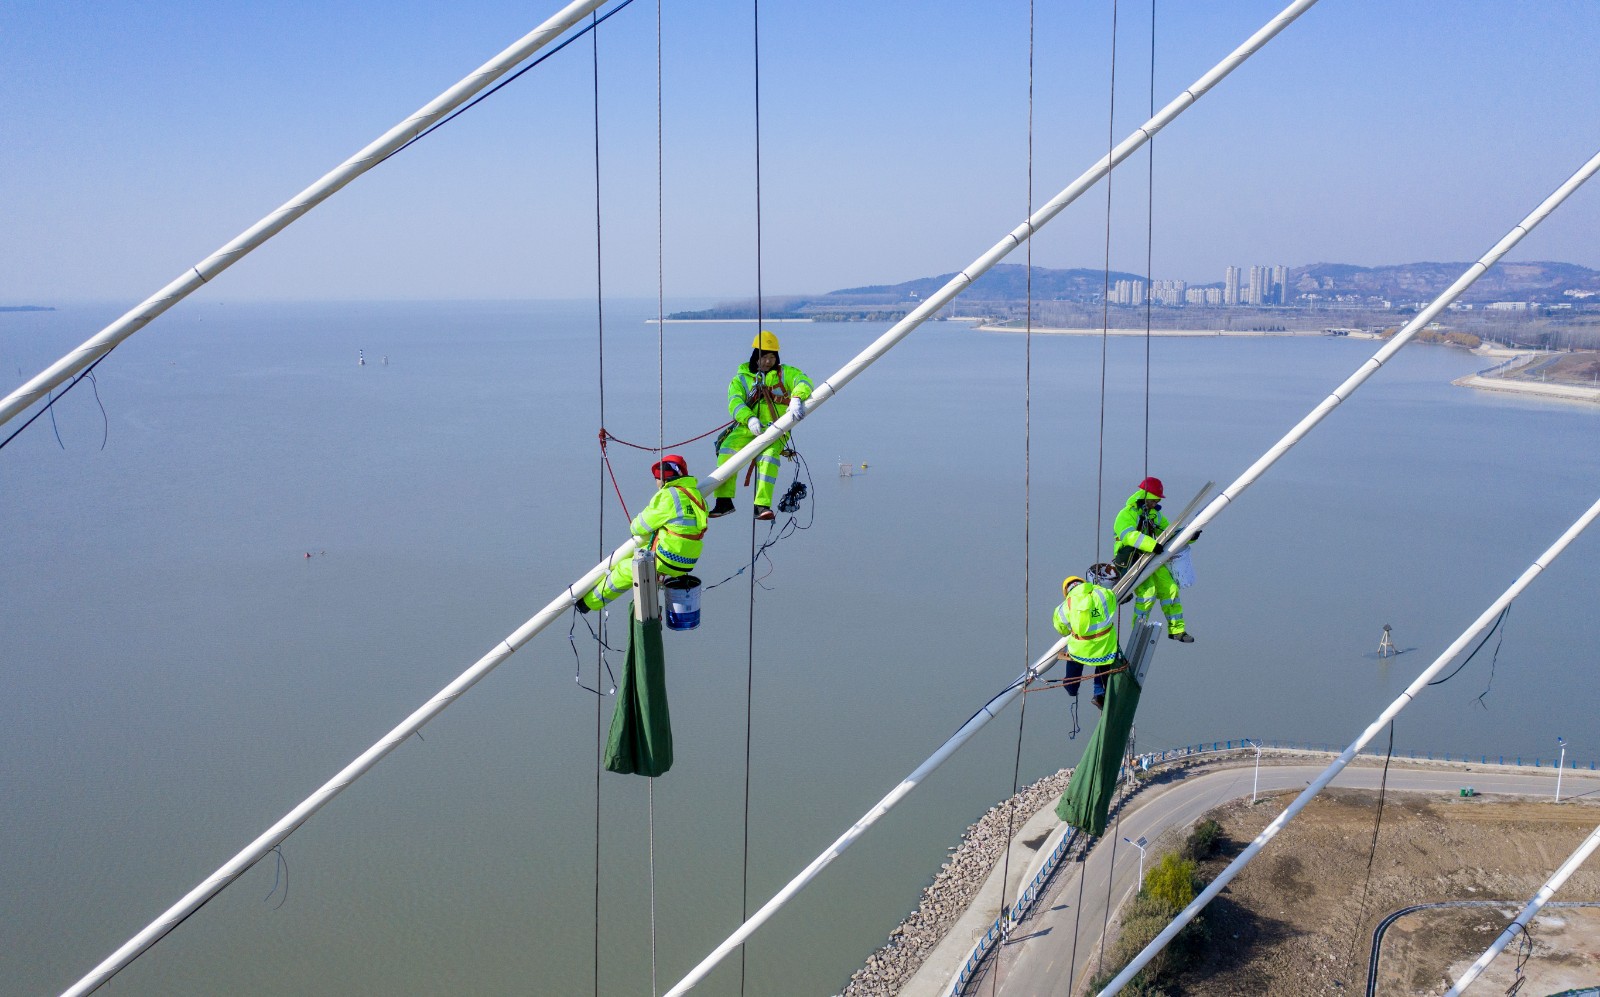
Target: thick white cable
{"x": 1546, "y": 891}
{"x": 274, "y": 835}
{"x": 1316, "y": 786}
{"x": 1378, "y": 359}
{"x": 146, "y": 311}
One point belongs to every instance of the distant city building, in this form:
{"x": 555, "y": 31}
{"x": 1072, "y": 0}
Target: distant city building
{"x": 1257, "y": 293}
{"x": 1509, "y": 306}
{"x": 1280, "y": 284}
{"x": 1230, "y": 287}
{"x": 1128, "y": 292}
{"x": 1169, "y": 292}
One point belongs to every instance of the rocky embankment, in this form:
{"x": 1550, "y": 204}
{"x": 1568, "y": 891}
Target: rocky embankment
{"x": 982, "y": 845}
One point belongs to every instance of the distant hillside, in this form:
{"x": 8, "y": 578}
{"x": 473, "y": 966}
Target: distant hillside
{"x": 1411, "y": 282}
{"x": 26, "y": 308}
{"x": 1007, "y": 284}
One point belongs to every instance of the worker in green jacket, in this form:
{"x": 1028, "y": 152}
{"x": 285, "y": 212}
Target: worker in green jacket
{"x": 1087, "y": 617}
{"x": 762, "y": 389}
{"x": 1137, "y": 528}
{"x": 673, "y": 525}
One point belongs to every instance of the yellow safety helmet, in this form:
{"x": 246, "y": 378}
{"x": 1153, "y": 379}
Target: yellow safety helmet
{"x": 1068, "y": 582}
{"x": 765, "y": 341}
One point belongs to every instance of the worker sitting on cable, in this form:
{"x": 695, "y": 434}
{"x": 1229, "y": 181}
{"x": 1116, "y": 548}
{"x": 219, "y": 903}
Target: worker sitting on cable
{"x": 762, "y": 389}
{"x": 672, "y": 525}
{"x": 1137, "y": 528}
{"x": 1088, "y": 619}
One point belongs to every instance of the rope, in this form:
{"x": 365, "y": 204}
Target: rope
{"x": 1027, "y": 519}
{"x": 607, "y": 437}
{"x": 750, "y": 630}
{"x": 1105, "y": 299}
{"x": 661, "y": 448}
{"x": 1149, "y": 241}
{"x": 600, "y": 337}
{"x": 1372, "y": 851}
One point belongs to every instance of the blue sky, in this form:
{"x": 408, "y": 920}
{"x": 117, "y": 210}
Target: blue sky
{"x": 138, "y": 138}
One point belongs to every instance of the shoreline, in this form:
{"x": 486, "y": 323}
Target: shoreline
{"x": 1052, "y": 331}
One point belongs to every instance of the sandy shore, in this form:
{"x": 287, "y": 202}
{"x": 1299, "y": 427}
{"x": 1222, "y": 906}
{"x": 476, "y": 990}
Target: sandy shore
{"x": 1041, "y": 330}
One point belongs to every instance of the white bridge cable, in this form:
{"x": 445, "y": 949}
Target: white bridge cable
{"x": 275, "y": 835}
{"x": 999, "y": 702}
{"x": 1378, "y": 359}
{"x": 377, "y": 151}
{"x": 987, "y": 712}
{"x": 1316, "y": 786}
{"x": 1520, "y": 924}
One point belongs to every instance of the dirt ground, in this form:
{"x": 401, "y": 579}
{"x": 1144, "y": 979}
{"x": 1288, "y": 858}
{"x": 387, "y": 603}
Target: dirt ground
{"x": 1299, "y": 919}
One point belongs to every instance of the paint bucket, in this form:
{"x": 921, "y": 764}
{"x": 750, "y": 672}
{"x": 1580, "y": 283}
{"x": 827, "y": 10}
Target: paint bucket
{"x": 683, "y": 602}
{"x": 1182, "y": 568}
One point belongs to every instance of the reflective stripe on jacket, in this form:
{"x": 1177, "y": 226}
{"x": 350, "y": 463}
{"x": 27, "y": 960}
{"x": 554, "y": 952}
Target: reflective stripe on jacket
{"x": 674, "y": 523}
{"x": 1135, "y": 527}
{"x": 1088, "y": 620}
{"x": 765, "y": 397}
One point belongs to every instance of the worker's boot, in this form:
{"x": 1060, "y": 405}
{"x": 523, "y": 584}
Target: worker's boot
{"x": 1183, "y": 637}
{"x": 722, "y": 508}
{"x": 764, "y": 512}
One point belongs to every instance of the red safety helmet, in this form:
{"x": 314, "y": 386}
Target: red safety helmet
{"x": 1153, "y": 486}
{"x": 675, "y": 466}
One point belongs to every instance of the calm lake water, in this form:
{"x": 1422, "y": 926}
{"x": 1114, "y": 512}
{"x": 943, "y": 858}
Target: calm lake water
{"x": 179, "y": 674}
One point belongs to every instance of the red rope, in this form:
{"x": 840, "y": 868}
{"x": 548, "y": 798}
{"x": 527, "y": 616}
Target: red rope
{"x": 604, "y": 436}
{"x": 606, "y": 457}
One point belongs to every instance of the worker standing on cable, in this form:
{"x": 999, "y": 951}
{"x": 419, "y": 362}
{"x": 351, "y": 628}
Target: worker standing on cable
{"x": 1138, "y": 528}
{"x": 762, "y": 389}
{"x": 673, "y": 525}
{"x": 1088, "y": 619}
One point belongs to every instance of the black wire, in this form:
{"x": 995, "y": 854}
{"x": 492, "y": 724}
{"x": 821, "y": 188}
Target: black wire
{"x": 409, "y": 143}
{"x": 595, "y": 22}
{"x": 1372, "y": 851}
{"x": 105, "y": 421}
{"x": 600, "y": 337}
{"x": 750, "y": 631}
{"x": 1497, "y": 621}
{"x": 280, "y": 869}
{"x": 56, "y": 397}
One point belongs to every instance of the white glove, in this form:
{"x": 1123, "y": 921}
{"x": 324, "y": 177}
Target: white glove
{"x": 797, "y": 408}
{"x": 755, "y": 425}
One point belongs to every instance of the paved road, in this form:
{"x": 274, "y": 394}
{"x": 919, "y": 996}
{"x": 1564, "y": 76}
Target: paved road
{"x": 1056, "y": 947}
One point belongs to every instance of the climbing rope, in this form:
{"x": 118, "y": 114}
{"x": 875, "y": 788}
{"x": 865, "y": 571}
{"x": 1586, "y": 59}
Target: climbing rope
{"x": 1027, "y": 517}
{"x": 750, "y": 628}
{"x": 1149, "y": 240}
{"x": 1105, "y": 298}
{"x": 661, "y": 450}
{"x": 600, "y": 338}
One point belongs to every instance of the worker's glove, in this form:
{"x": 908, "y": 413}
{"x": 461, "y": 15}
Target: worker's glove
{"x": 1159, "y": 548}
{"x": 1196, "y": 536}
{"x": 755, "y": 425}
{"x": 797, "y": 408}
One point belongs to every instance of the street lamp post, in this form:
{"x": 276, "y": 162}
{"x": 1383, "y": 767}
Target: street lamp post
{"x": 1257, "y": 780}
{"x": 1140, "y": 844}
{"x": 1561, "y": 742}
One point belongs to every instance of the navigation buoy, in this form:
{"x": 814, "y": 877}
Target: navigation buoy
{"x": 1385, "y": 645}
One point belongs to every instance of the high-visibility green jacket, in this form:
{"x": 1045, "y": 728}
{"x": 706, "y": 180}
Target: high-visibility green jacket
{"x": 1136, "y": 528}
{"x": 673, "y": 525}
{"x": 765, "y": 397}
{"x": 1088, "y": 619}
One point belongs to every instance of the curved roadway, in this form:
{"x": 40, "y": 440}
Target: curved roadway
{"x": 1056, "y": 947}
